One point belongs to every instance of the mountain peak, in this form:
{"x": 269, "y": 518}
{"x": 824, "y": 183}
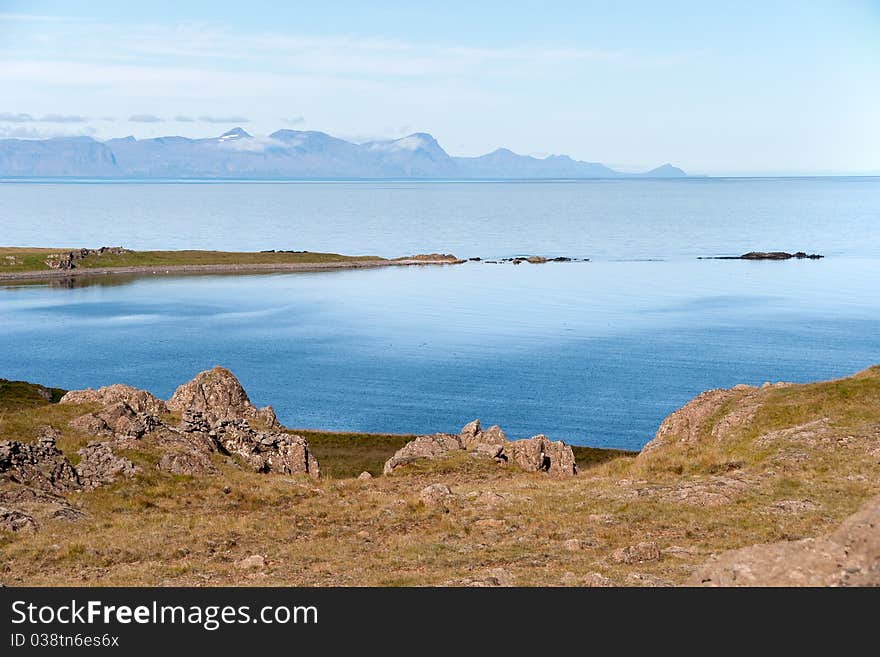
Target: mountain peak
{"x": 235, "y": 133}
{"x": 666, "y": 171}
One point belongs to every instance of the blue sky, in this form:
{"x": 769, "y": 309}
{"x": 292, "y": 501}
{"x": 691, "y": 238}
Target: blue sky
{"x": 715, "y": 87}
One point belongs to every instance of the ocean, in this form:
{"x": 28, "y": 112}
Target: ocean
{"x": 594, "y": 353}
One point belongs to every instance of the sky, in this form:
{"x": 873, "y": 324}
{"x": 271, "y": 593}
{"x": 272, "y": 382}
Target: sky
{"x": 735, "y": 88}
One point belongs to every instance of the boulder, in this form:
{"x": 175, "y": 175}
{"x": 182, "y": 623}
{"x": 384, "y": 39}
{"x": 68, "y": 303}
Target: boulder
{"x": 190, "y": 462}
{"x": 645, "y": 551}
{"x": 538, "y": 454}
{"x": 98, "y": 465}
{"x": 140, "y": 401}
{"x": 848, "y": 556}
{"x": 39, "y": 464}
{"x": 365, "y": 476}
{"x": 435, "y": 494}
{"x": 421, "y": 448}
{"x": 13, "y": 520}
{"x": 275, "y": 452}
{"x": 219, "y": 396}
{"x": 474, "y": 438}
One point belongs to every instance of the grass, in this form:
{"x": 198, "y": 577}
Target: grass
{"x": 15, "y": 395}
{"x": 15, "y": 259}
{"x": 161, "y": 529}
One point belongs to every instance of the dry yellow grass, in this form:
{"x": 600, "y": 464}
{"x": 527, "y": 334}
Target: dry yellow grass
{"x": 160, "y": 529}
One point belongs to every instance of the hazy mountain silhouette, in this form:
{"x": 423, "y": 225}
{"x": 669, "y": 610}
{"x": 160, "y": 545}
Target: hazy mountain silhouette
{"x": 284, "y": 154}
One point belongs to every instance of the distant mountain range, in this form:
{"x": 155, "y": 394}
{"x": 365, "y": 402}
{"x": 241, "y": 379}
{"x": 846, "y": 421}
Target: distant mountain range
{"x": 283, "y": 154}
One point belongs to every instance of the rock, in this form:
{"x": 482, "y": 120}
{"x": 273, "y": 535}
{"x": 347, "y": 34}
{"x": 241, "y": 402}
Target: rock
{"x": 494, "y": 523}
{"x": 575, "y": 545}
{"x": 645, "y": 551}
{"x": 37, "y": 503}
{"x": 69, "y": 260}
{"x": 219, "y": 396}
{"x": 90, "y": 424}
{"x": 848, "y": 556}
{"x": 365, "y": 476}
{"x": 646, "y": 579}
{"x": 435, "y": 494}
{"x": 493, "y": 578}
{"x": 253, "y": 562}
{"x": 140, "y": 401}
{"x": 13, "y": 520}
{"x": 538, "y": 454}
{"x": 469, "y": 433}
{"x": 777, "y": 255}
{"x": 569, "y": 579}
{"x": 98, "y": 465}
{"x": 39, "y": 464}
{"x": 274, "y": 452}
{"x": 597, "y": 580}
{"x": 421, "y": 448}
{"x": 536, "y": 260}
{"x": 190, "y": 462}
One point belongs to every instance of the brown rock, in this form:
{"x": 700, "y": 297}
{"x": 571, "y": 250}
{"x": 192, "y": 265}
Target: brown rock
{"x": 275, "y": 452}
{"x": 645, "y": 551}
{"x": 488, "y": 441}
{"x": 253, "y": 562}
{"x": 140, "y": 401}
{"x": 39, "y": 464}
{"x": 365, "y": 476}
{"x": 538, "y": 454}
{"x": 435, "y": 494}
{"x": 848, "y": 556}
{"x": 98, "y": 465}
{"x": 219, "y": 396}
{"x": 597, "y": 580}
{"x": 191, "y": 462}
{"x": 423, "y": 447}
{"x": 13, "y": 520}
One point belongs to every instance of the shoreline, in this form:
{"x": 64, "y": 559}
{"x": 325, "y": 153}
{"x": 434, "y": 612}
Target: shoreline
{"x": 267, "y": 268}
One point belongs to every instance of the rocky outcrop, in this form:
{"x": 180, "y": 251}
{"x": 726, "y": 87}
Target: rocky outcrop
{"x": 98, "y": 465}
{"x": 219, "y": 396}
{"x": 275, "y": 451}
{"x": 68, "y": 260}
{"x": 38, "y": 464}
{"x": 215, "y": 416}
{"x": 118, "y": 419}
{"x": 435, "y": 495}
{"x": 191, "y": 462}
{"x": 140, "y": 401}
{"x": 848, "y": 556}
{"x": 13, "y": 520}
{"x": 536, "y": 454}
{"x": 639, "y": 553}
{"x": 423, "y": 447}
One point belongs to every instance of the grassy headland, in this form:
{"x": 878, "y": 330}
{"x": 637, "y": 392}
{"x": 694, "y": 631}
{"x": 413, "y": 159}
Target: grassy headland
{"x": 763, "y": 464}
{"x": 19, "y": 263}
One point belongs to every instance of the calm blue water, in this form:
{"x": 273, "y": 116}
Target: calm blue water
{"x": 594, "y": 353}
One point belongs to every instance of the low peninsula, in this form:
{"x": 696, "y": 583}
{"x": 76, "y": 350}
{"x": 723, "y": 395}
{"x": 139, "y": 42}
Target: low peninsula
{"x": 26, "y": 264}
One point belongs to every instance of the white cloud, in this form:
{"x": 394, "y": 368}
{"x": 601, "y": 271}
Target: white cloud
{"x": 145, "y": 118}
